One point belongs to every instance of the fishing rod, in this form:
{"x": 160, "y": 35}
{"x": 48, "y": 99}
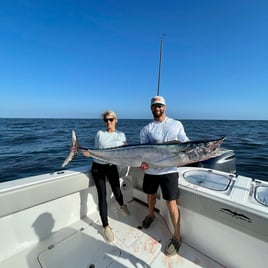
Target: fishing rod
{"x": 160, "y": 65}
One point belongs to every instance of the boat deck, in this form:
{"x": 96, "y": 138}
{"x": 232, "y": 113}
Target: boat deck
{"x": 82, "y": 245}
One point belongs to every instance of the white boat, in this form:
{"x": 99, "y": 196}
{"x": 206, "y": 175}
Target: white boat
{"x": 52, "y": 221}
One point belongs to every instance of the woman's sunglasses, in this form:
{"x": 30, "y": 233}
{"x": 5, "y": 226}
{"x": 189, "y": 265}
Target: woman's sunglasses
{"x": 108, "y": 119}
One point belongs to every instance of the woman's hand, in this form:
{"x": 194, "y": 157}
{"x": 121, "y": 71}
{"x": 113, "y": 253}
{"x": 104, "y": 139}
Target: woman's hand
{"x": 86, "y": 153}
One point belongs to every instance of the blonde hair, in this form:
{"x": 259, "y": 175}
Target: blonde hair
{"x": 111, "y": 113}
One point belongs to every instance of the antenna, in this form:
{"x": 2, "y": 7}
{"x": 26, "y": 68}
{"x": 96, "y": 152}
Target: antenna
{"x": 160, "y": 64}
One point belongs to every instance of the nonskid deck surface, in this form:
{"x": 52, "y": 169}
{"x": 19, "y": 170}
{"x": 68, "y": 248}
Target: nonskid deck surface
{"x": 133, "y": 247}
{"x": 82, "y": 245}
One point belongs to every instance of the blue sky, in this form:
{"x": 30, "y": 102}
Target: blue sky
{"x": 75, "y": 59}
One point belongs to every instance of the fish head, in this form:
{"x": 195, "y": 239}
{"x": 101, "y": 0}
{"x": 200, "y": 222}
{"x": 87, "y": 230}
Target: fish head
{"x": 200, "y": 151}
{"x": 213, "y": 145}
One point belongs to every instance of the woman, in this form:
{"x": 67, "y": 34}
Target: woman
{"x": 101, "y": 170}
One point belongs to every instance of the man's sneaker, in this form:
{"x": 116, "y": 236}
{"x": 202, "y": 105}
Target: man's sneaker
{"x": 147, "y": 221}
{"x": 108, "y": 234}
{"x": 173, "y": 246}
{"x": 124, "y": 210}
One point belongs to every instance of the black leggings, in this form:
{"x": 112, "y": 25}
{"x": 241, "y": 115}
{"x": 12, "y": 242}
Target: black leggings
{"x": 99, "y": 173}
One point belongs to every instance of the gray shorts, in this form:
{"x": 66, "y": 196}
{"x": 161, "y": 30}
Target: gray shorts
{"x": 169, "y": 185}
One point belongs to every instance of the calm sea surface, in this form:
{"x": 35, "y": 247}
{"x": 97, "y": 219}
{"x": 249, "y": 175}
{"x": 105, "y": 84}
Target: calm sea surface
{"x": 36, "y": 146}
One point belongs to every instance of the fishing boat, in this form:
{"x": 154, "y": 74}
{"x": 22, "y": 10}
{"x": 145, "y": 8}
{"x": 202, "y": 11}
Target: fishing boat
{"x": 52, "y": 220}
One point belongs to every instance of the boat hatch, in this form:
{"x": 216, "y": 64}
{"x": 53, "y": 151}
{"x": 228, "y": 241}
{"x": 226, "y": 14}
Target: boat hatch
{"x": 208, "y": 179}
{"x": 79, "y": 250}
{"x": 261, "y": 195}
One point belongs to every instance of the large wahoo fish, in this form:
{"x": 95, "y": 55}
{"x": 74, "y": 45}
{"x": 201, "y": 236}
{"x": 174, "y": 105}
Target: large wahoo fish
{"x": 155, "y": 155}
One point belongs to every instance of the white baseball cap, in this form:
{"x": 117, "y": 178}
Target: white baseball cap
{"x": 158, "y": 100}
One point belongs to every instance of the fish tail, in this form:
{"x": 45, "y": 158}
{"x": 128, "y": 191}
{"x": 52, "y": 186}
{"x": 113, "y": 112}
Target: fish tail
{"x": 75, "y": 148}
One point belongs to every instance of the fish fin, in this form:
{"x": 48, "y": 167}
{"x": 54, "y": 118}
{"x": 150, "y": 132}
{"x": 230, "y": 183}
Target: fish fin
{"x": 68, "y": 158}
{"x": 73, "y": 152}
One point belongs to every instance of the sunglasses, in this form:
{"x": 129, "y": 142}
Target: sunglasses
{"x": 157, "y": 105}
{"x": 108, "y": 119}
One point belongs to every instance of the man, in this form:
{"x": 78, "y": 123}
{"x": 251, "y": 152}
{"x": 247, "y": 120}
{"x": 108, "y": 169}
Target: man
{"x": 163, "y": 129}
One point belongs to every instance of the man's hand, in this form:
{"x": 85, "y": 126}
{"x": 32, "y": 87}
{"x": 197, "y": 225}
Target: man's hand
{"x": 144, "y": 166}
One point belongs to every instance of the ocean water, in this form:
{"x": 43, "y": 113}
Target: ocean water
{"x": 37, "y": 146}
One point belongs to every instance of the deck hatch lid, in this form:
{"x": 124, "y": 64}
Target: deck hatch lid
{"x": 79, "y": 250}
{"x": 261, "y": 195}
{"x": 208, "y": 179}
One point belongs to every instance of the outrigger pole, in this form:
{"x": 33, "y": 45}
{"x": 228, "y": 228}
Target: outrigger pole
{"x": 160, "y": 64}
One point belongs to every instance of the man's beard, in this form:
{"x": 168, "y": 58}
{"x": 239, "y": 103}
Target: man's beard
{"x": 158, "y": 114}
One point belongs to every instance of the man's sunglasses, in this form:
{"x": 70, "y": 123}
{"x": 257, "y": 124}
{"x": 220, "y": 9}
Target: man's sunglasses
{"x": 158, "y": 105}
{"x": 108, "y": 119}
